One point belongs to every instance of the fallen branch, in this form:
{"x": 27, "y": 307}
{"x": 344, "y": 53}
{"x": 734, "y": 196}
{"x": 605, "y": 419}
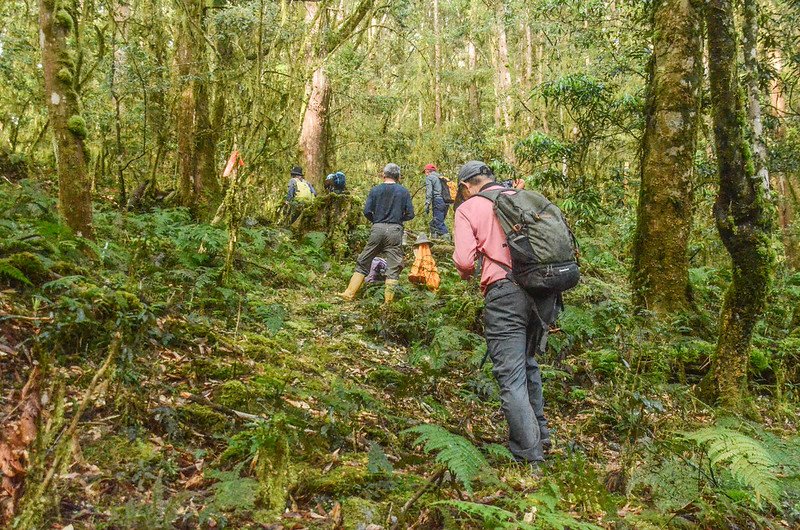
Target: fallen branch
{"x": 202, "y": 400}
{"x": 435, "y": 478}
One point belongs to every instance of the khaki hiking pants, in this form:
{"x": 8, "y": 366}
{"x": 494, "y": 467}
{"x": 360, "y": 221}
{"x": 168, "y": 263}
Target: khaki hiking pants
{"x": 384, "y": 240}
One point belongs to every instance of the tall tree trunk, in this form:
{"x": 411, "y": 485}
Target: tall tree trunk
{"x": 313, "y": 141}
{"x": 750, "y": 52}
{"x": 540, "y": 81}
{"x": 472, "y": 65}
{"x": 207, "y": 190}
{"x": 186, "y": 106}
{"x": 437, "y": 68}
{"x": 660, "y": 273}
{"x": 472, "y": 90}
{"x": 785, "y": 184}
{"x": 504, "y": 79}
{"x": 68, "y": 126}
{"x": 313, "y": 133}
{"x": 741, "y": 212}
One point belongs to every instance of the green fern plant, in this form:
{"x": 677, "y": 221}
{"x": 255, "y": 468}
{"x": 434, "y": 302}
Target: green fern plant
{"x": 491, "y": 516}
{"x": 539, "y": 511}
{"x": 464, "y": 461}
{"x": 10, "y": 272}
{"x": 748, "y": 460}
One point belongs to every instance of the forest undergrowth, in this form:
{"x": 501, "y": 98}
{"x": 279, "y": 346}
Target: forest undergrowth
{"x": 263, "y": 402}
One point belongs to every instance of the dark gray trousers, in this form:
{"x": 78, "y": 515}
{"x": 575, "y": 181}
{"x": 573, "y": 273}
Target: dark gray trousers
{"x": 385, "y": 240}
{"x": 513, "y": 336}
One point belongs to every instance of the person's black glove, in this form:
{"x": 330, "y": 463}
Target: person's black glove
{"x": 427, "y": 209}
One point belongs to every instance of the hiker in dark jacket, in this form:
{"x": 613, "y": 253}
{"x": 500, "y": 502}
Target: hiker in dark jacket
{"x": 512, "y": 317}
{"x": 388, "y": 206}
{"x": 434, "y": 202}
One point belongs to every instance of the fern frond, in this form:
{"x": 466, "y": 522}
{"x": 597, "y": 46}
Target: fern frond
{"x": 462, "y": 459}
{"x": 491, "y": 516}
{"x": 9, "y": 271}
{"x": 747, "y": 459}
{"x": 500, "y": 452}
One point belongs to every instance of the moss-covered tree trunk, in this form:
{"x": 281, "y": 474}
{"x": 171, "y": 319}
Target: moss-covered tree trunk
{"x": 741, "y": 212}
{"x": 68, "y": 126}
{"x": 660, "y": 273}
{"x": 207, "y": 188}
{"x": 186, "y": 106}
{"x": 199, "y": 187}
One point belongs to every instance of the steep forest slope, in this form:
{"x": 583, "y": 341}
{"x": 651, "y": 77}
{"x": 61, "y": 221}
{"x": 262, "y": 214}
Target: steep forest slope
{"x": 167, "y": 397}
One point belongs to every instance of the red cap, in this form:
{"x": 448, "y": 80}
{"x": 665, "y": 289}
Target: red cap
{"x": 430, "y": 167}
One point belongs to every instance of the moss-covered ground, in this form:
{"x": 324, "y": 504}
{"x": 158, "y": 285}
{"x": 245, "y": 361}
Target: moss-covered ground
{"x": 264, "y": 402}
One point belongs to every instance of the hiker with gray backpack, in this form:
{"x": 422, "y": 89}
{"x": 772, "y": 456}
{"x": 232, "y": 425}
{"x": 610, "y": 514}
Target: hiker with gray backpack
{"x": 529, "y": 257}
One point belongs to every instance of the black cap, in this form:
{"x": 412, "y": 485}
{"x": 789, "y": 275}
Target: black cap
{"x": 473, "y": 168}
{"x": 296, "y": 170}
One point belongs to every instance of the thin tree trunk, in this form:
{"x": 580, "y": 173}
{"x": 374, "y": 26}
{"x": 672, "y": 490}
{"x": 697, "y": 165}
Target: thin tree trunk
{"x": 785, "y": 184}
{"x": 68, "y": 126}
{"x": 474, "y": 101}
{"x": 437, "y": 68}
{"x": 540, "y": 81}
{"x": 504, "y": 80}
{"x": 741, "y": 212}
{"x": 472, "y": 66}
{"x": 660, "y": 274}
{"x": 750, "y": 52}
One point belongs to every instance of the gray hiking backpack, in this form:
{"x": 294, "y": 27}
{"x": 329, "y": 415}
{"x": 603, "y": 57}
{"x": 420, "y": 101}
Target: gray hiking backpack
{"x": 544, "y": 252}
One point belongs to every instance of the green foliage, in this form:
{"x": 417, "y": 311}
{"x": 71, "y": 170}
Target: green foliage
{"x": 158, "y": 514}
{"x": 378, "y": 463}
{"x": 531, "y": 512}
{"x": 747, "y": 459}
{"x": 231, "y": 491}
{"x": 459, "y": 455}
{"x": 10, "y": 272}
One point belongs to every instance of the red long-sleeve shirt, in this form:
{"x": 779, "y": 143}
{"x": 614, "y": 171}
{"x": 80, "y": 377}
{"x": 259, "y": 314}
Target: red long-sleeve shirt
{"x": 477, "y": 231}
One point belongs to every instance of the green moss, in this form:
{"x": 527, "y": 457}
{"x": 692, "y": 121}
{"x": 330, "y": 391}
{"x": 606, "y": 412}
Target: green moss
{"x": 345, "y": 480}
{"x": 276, "y": 473}
{"x": 234, "y": 395}
{"x": 65, "y": 75}
{"x": 203, "y": 419}
{"x": 359, "y": 513}
{"x": 212, "y": 368}
{"x": 64, "y": 19}
{"x": 112, "y": 452}
{"x": 77, "y": 126}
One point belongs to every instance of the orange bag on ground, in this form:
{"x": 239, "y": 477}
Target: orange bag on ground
{"x": 424, "y": 271}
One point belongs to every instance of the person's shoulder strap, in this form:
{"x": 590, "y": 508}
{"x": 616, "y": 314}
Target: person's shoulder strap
{"x": 492, "y": 194}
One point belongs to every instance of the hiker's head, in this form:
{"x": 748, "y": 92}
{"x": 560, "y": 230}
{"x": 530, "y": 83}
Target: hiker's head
{"x": 473, "y": 176}
{"x": 296, "y": 172}
{"x": 430, "y": 168}
{"x": 391, "y": 171}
